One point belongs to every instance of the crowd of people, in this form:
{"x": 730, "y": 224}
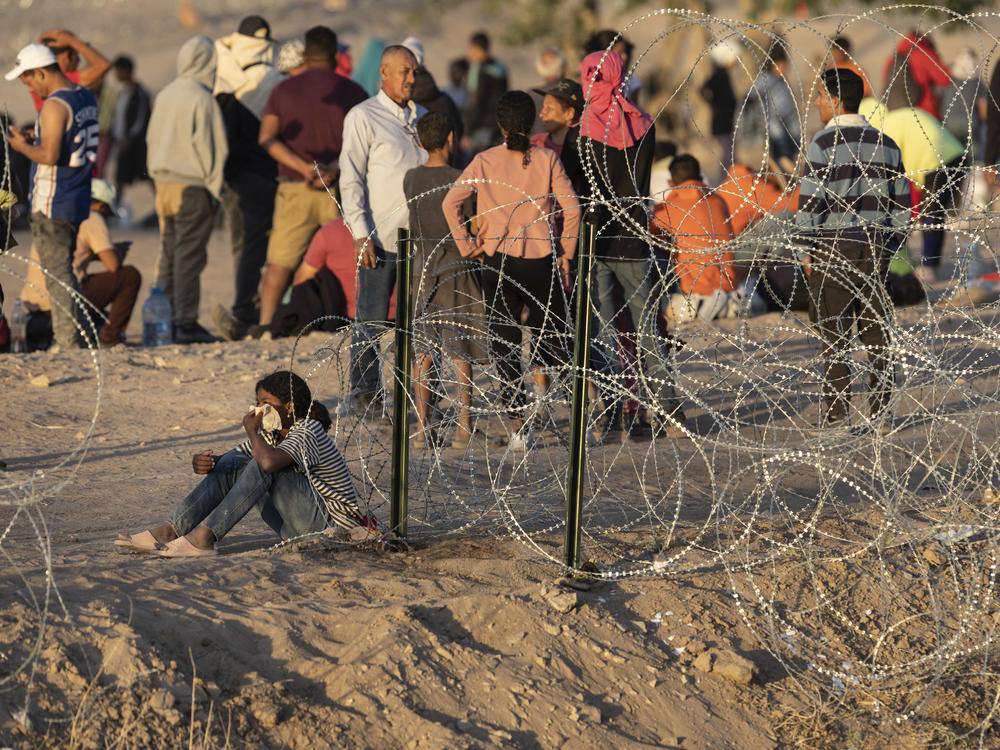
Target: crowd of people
{"x": 318, "y": 164}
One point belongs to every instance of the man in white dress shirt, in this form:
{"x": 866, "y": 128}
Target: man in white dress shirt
{"x": 380, "y": 145}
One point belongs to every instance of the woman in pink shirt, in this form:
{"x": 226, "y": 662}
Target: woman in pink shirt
{"x": 520, "y": 189}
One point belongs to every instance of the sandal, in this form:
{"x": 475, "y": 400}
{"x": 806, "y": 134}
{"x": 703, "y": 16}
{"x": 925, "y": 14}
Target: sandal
{"x": 182, "y": 547}
{"x": 143, "y": 542}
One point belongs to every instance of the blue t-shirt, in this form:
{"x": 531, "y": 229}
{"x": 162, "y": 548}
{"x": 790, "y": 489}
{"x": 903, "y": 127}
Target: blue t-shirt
{"x": 62, "y": 190}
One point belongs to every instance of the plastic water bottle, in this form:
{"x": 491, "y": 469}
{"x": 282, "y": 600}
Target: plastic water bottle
{"x": 18, "y": 328}
{"x": 157, "y": 316}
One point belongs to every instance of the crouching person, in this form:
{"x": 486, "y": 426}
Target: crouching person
{"x": 118, "y": 285}
{"x": 694, "y": 222}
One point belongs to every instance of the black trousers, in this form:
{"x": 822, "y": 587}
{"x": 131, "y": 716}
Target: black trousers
{"x": 509, "y": 285}
{"x": 847, "y": 288}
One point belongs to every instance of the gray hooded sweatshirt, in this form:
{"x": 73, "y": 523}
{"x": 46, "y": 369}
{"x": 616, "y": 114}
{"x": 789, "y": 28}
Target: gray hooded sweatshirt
{"x": 186, "y": 139}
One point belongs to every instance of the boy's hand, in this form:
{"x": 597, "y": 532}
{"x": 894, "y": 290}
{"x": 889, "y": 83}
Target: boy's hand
{"x": 203, "y": 462}
{"x": 364, "y": 250}
{"x": 563, "y": 262}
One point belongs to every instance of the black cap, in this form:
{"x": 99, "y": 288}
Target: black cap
{"x": 253, "y": 26}
{"x": 567, "y": 90}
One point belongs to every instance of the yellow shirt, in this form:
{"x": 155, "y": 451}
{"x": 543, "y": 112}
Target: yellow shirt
{"x": 926, "y": 145}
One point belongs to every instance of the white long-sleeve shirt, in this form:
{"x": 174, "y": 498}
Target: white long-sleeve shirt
{"x": 380, "y": 145}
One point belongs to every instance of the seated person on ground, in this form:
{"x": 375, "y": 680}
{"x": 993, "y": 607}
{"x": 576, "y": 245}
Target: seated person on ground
{"x": 324, "y": 285}
{"x": 118, "y": 286}
{"x": 749, "y": 196}
{"x": 288, "y": 468}
{"x": 695, "y": 223}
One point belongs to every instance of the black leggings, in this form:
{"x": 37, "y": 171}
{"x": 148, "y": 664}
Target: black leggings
{"x": 509, "y": 285}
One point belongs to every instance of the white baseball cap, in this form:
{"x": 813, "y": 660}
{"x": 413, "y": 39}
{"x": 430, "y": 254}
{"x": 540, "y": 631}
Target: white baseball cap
{"x": 31, "y": 57}
{"x": 416, "y": 47}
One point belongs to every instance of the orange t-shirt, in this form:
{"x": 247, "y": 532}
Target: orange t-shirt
{"x": 748, "y": 196}
{"x": 697, "y": 221}
{"x": 853, "y": 66}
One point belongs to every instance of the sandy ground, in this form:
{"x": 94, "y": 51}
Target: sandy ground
{"x": 467, "y": 639}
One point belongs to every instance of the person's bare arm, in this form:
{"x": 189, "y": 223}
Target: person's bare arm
{"x": 53, "y": 119}
{"x": 97, "y": 64}
{"x": 303, "y": 273}
{"x": 110, "y": 259}
{"x": 269, "y": 458}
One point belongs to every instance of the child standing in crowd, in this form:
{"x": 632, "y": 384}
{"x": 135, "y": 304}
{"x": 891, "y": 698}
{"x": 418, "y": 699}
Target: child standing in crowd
{"x": 448, "y": 306}
{"x": 517, "y": 188}
{"x": 290, "y": 470}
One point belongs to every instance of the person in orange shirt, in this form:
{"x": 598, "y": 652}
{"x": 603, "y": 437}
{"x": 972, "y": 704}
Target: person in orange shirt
{"x": 841, "y": 52}
{"x": 751, "y": 195}
{"x": 695, "y": 222}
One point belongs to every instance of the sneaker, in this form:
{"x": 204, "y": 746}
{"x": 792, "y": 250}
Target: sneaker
{"x": 193, "y": 333}
{"x": 521, "y": 440}
{"x": 228, "y": 325}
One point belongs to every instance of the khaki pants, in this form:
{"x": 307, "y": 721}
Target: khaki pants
{"x": 298, "y": 212}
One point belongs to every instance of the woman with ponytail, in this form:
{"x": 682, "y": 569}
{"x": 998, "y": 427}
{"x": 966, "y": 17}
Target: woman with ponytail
{"x": 520, "y": 190}
{"x": 288, "y": 468}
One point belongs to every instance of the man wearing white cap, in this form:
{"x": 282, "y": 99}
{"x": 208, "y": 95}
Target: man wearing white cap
{"x": 62, "y": 153}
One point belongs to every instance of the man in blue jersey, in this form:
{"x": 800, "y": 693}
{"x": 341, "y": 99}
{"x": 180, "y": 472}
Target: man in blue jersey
{"x": 62, "y": 151}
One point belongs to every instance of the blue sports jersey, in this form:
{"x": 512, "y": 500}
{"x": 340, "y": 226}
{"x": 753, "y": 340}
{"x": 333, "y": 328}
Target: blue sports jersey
{"x": 62, "y": 190}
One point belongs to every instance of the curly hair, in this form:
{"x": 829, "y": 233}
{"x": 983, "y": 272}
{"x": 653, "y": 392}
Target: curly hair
{"x": 288, "y": 386}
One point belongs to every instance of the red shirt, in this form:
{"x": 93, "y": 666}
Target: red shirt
{"x": 543, "y": 140}
{"x": 333, "y": 246}
{"x": 311, "y": 108}
{"x": 927, "y": 68}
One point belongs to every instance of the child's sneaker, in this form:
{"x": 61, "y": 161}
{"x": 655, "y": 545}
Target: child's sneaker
{"x": 521, "y": 440}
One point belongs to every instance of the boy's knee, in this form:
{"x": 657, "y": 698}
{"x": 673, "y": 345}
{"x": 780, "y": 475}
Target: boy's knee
{"x": 130, "y": 277}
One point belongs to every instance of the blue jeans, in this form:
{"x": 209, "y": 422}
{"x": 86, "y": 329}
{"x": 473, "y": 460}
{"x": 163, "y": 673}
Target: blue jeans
{"x": 637, "y": 280}
{"x": 236, "y": 485}
{"x": 375, "y": 287}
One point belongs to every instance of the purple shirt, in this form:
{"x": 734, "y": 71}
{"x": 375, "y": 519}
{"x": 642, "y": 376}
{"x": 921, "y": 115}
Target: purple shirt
{"x": 311, "y": 108}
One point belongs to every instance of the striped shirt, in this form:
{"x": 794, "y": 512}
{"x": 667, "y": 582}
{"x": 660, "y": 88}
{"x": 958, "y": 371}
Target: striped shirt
{"x": 854, "y": 185}
{"x": 315, "y": 455}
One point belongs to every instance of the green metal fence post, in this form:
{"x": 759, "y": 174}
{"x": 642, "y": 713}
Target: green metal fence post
{"x": 581, "y": 379}
{"x": 401, "y": 390}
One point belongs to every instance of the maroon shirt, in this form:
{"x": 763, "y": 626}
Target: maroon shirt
{"x": 311, "y": 108}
